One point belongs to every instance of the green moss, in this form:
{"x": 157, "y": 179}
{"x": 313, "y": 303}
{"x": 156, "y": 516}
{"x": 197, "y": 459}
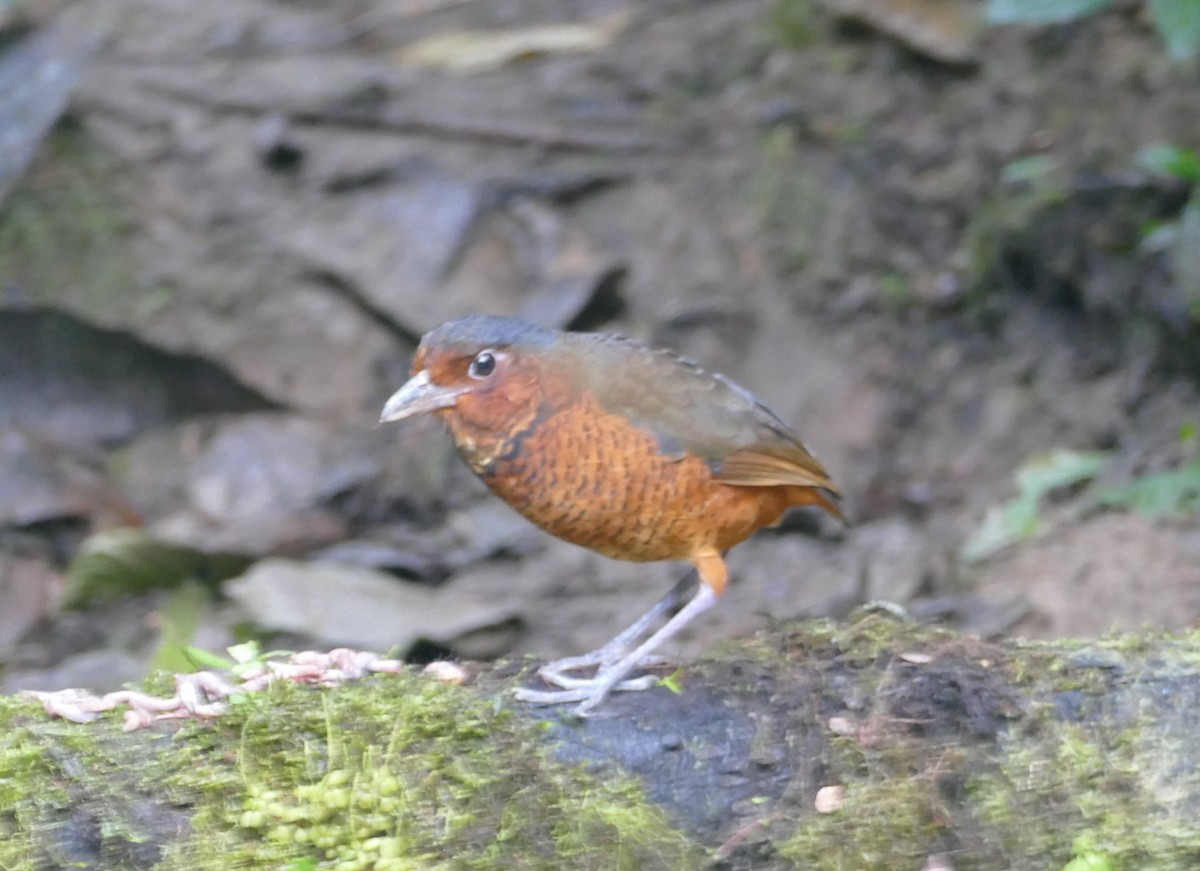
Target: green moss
{"x": 1042, "y": 792}
{"x": 397, "y": 772}
{"x": 23, "y": 760}
{"x": 403, "y": 772}
{"x": 64, "y": 796}
{"x": 893, "y": 815}
{"x": 427, "y": 775}
{"x": 889, "y": 819}
{"x": 65, "y": 230}
{"x": 792, "y": 23}
{"x": 1084, "y": 794}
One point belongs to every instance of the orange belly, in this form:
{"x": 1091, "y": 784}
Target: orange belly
{"x": 594, "y": 479}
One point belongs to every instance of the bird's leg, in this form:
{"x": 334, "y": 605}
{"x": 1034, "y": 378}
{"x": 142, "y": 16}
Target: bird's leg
{"x": 590, "y": 692}
{"x": 555, "y": 672}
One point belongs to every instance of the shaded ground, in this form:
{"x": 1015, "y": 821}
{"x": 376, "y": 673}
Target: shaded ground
{"x": 285, "y": 191}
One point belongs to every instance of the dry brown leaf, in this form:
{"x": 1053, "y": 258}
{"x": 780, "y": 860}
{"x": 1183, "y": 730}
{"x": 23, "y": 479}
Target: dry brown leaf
{"x": 944, "y": 30}
{"x": 472, "y": 51}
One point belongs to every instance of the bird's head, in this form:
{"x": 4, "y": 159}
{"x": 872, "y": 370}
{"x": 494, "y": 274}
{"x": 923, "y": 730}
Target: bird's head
{"x": 480, "y": 374}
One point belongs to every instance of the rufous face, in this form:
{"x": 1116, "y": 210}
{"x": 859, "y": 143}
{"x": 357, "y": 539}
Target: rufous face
{"x": 486, "y": 392}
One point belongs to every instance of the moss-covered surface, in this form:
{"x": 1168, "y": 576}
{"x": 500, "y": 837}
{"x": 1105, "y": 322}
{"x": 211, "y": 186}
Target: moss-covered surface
{"x": 65, "y": 231}
{"x": 1023, "y": 755}
{"x": 395, "y": 773}
{"x": 1012, "y": 756}
{"x": 992, "y": 755}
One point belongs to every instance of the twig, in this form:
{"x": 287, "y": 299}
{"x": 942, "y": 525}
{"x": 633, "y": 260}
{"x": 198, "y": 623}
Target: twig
{"x": 503, "y": 132}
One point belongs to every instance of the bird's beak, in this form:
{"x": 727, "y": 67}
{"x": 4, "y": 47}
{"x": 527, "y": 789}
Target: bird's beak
{"x": 419, "y": 395}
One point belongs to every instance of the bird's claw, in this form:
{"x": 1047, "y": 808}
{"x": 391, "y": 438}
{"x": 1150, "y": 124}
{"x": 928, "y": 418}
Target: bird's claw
{"x": 556, "y": 673}
{"x": 588, "y": 691}
{"x": 581, "y": 687}
{"x": 550, "y": 697}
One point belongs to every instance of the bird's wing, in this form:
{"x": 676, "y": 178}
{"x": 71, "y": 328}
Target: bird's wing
{"x": 688, "y": 409}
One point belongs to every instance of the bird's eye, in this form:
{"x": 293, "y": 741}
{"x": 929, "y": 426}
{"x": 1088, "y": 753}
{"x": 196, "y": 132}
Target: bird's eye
{"x": 483, "y": 365}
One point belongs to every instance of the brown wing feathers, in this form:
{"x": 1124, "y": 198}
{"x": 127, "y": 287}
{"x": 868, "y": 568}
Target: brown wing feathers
{"x": 800, "y": 472}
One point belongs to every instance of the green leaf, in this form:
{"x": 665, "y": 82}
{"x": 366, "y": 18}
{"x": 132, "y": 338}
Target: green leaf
{"x": 1158, "y": 237}
{"x": 1020, "y": 519}
{"x": 1160, "y": 495}
{"x": 1034, "y": 168}
{"x": 1171, "y": 160}
{"x": 247, "y": 651}
{"x": 120, "y": 563}
{"x": 203, "y": 659}
{"x": 1090, "y": 862}
{"x": 1178, "y": 24}
{"x": 1040, "y": 11}
{"x": 180, "y": 617}
{"x": 1060, "y": 468}
{"x": 1002, "y": 526}
{"x": 672, "y": 682}
{"x": 249, "y": 656}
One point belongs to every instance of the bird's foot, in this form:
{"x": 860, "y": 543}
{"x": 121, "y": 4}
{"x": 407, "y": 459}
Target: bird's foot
{"x": 589, "y": 691}
{"x": 556, "y": 673}
{"x": 612, "y": 671}
{"x": 582, "y": 690}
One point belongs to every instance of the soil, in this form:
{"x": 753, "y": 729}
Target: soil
{"x": 830, "y": 213}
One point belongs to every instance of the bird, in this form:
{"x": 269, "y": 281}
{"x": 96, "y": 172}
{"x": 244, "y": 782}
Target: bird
{"x": 633, "y": 451}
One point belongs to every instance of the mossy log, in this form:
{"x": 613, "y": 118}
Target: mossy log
{"x": 937, "y": 748}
